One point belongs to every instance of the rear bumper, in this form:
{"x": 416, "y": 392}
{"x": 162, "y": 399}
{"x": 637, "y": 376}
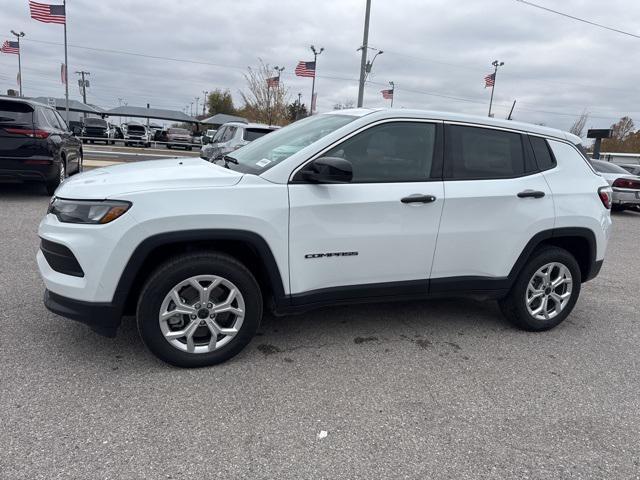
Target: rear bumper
{"x": 102, "y": 318}
{"x": 626, "y": 197}
{"x": 23, "y": 172}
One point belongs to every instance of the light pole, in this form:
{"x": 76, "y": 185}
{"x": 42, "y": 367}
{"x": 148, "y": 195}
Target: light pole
{"x": 299, "y": 108}
{"x": 315, "y": 71}
{"x": 18, "y": 37}
{"x": 205, "y": 101}
{"x": 495, "y": 64}
{"x": 393, "y": 92}
{"x": 197, "y": 100}
{"x": 364, "y": 48}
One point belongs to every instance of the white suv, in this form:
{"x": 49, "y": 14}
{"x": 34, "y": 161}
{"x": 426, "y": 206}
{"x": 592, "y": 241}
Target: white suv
{"x": 349, "y": 206}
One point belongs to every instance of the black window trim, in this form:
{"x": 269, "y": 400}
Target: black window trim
{"x": 437, "y": 164}
{"x": 527, "y": 152}
{"x": 553, "y": 156}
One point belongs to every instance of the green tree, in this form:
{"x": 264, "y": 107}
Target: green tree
{"x": 220, "y": 101}
{"x": 296, "y": 111}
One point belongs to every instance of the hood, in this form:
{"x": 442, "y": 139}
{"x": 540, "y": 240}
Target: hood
{"x": 151, "y": 175}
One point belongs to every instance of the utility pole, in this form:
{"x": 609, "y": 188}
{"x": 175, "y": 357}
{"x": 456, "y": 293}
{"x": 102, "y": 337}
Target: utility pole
{"x": 18, "y": 37}
{"x": 205, "y": 101}
{"x": 364, "y": 48}
{"x": 83, "y": 84}
{"x": 315, "y": 72}
{"x": 496, "y": 64}
{"x": 191, "y": 109}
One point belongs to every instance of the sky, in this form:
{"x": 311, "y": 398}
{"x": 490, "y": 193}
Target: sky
{"x": 436, "y": 51}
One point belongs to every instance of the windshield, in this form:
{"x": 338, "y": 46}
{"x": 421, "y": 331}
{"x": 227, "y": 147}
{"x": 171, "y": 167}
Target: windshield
{"x": 136, "y": 128}
{"x": 269, "y": 150}
{"x": 605, "y": 167}
{"x": 95, "y": 122}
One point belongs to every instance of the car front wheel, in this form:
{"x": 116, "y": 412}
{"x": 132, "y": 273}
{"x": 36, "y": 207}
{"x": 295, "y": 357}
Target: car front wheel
{"x": 199, "y": 309}
{"x": 545, "y": 292}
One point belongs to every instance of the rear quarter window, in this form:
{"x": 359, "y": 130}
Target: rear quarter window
{"x": 543, "y": 154}
{"x": 251, "y": 134}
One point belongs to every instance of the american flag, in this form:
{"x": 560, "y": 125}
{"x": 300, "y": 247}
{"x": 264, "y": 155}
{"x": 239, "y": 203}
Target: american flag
{"x": 10, "y": 47}
{"x": 490, "y": 80}
{"x": 273, "y": 82}
{"x": 306, "y": 69}
{"x": 43, "y": 12}
{"x": 387, "y": 94}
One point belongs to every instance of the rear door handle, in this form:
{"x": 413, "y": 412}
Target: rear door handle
{"x": 531, "y": 194}
{"x": 418, "y": 198}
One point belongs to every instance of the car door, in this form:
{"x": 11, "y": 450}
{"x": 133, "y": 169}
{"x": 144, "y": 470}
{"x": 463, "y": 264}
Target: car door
{"x": 376, "y": 235}
{"x": 496, "y": 201}
{"x": 73, "y": 143}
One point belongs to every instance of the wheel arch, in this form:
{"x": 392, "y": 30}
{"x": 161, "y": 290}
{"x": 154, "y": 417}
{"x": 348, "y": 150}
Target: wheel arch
{"x": 579, "y": 241}
{"x": 248, "y": 247}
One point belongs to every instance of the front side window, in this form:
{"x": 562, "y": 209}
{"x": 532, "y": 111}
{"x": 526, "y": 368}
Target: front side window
{"x": 475, "y": 153}
{"x": 228, "y": 134}
{"x": 390, "y": 152}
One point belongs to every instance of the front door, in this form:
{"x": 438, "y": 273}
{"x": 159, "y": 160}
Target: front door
{"x": 375, "y": 235}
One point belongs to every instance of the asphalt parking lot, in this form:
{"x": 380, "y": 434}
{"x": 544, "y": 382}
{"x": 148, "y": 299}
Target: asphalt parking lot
{"x": 440, "y": 389}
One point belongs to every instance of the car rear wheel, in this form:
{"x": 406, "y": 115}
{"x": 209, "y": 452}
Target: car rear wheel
{"x": 199, "y": 309}
{"x": 545, "y": 292}
{"x": 60, "y": 177}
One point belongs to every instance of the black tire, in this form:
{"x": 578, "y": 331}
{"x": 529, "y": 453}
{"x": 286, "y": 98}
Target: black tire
{"x": 55, "y": 183}
{"x": 181, "y": 268}
{"x": 168, "y": 146}
{"x": 617, "y": 208}
{"x": 514, "y": 306}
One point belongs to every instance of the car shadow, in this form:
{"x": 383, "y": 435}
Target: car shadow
{"x": 414, "y": 324}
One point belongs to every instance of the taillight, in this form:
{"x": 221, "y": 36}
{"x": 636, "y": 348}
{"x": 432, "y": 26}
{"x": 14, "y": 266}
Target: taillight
{"x": 28, "y": 132}
{"x": 605, "y": 195}
{"x": 627, "y": 183}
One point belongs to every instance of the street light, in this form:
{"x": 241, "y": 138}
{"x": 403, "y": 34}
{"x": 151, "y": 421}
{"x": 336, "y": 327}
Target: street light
{"x": 496, "y": 64}
{"x": 315, "y": 67}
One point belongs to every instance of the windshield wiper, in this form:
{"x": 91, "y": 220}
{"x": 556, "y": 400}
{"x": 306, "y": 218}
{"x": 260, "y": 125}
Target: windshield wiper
{"x": 230, "y": 159}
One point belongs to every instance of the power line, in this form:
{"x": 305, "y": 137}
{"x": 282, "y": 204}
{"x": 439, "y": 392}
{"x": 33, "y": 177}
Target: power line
{"x": 599, "y": 25}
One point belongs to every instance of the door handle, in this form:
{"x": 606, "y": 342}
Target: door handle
{"x": 418, "y": 198}
{"x": 531, "y": 194}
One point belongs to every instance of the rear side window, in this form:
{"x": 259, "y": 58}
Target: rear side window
{"x": 476, "y": 153}
{"x": 542, "y": 152}
{"x": 51, "y": 119}
{"x": 15, "y": 113}
{"x": 251, "y": 134}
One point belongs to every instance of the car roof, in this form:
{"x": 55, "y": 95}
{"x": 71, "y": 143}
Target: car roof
{"x": 28, "y": 101}
{"x": 250, "y": 125}
{"x": 385, "y": 113}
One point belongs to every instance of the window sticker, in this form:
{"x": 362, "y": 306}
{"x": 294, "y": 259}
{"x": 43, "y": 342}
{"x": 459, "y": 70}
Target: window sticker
{"x": 263, "y": 162}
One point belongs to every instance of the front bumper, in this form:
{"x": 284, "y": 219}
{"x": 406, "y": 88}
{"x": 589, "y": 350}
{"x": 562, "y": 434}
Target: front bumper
{"x": 102, "y": 318}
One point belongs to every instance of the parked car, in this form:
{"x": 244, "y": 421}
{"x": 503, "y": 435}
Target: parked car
{"x": 76, "y": 127}
{"x": 97, "y": 129}
{"x": 179, "y": 137}
{"x": 208, "y": 136}
{"x": 117, "y": 132}
{"x": 136, "y": 134}
{"x": 232, "y": 136}
{"x": 625, "y": 186}
{"x": 632, "y": 169}
{"x": 373, "y": 205}
{"x": 36, "y": 144}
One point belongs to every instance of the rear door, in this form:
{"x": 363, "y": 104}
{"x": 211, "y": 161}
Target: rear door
{"x": 16, "y": 127}
{"x": 375, "y": 235}
{"x": 496, "y": 201}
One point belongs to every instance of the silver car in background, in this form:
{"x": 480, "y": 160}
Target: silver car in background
{"x": 232, "y": 136}
{"x": 625, "y": 186}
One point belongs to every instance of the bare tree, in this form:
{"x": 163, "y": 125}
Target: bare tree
{"x": 265, "y": 101}
{"x": 344, "y": 105}
{"x": 622, "y": 129}
{"x": 578, "y": 126}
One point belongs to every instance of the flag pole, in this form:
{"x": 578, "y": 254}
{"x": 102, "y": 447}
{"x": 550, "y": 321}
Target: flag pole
{"x": 496, "y": 64}
{"x": 393, "y": 92}
{"x": 19, "y": 67}
{"x": 66, "y": 63}
{"x": 315, "y": 72}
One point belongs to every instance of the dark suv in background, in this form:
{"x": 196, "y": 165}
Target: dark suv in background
{"x": 98, "y": 129}
{"x": 36, "y": 144}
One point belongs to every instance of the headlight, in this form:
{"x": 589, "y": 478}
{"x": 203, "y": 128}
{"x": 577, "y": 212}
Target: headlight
{"x": 88, "y": 211}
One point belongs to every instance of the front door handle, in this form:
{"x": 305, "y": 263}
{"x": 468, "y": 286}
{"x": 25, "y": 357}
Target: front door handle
{"x": 418, "y": 198}
{"x": 531, "y": 194}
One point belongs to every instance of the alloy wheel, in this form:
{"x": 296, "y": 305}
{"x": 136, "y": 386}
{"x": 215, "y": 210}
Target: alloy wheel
{"x": 202, "y": 314}
{"x": 549, "y": 291}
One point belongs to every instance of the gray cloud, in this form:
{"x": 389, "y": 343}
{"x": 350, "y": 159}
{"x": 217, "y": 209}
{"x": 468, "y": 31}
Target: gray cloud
{"x": 554, "y": 67}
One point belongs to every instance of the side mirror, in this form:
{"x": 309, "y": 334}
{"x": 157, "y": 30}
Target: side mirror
{"x": 327, "y": 170}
